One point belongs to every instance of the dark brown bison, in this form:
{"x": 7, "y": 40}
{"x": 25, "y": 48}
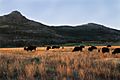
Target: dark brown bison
{"x": 82, "y": 46}
{"x": 105, "y": 49}
{"x": 108, "y": 45}
{"x": 98, "y": 50}
{"x": 78, "y": 48}
{"x": 55, "y": 47}
{"x": 30, "y": 48}
{"x": 116, "y": 50}
{"x": 92, "y": 48}
{"x": 48, "y": 47}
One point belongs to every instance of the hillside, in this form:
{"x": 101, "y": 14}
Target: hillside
{"x": 17, "y": 31}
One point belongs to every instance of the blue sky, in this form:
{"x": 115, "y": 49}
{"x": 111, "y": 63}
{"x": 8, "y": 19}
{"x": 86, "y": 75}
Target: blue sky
{"x": 66, "y": 12}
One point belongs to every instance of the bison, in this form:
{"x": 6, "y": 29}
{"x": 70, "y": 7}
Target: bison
{"x": 48, "y": 47}
{"x": 92, "y": 48}
{"x": 105, "y": 49}
{"x": 30, "y": 48}
{"x": 55, "y": 47}
{"x": 98, "y": 50}
{"x": 108, "y": 45}
{"x": 77, "y": 48}
{"x": 117, "y": 50}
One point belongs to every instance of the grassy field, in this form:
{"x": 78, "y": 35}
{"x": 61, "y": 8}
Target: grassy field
{"x": 58, "y": 64}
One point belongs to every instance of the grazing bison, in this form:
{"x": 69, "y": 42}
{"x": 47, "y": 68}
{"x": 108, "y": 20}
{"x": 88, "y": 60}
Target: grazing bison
{"x": 98, "y": 50}
{"x": 105, "y": 49}
{"x": 108, "y": 45}
{"x": 48, "y": 47}
{"x": 30, "y": 48}
{"x": 55, "y": 47}
{"x": 92, "y": 48}
{"x": 77, "y": 48}
{"x": 117, "y": 50}
{"x": 82, "y": 46}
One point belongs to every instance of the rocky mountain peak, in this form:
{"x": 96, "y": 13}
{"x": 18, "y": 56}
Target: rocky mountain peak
{"x": 15, "y": 13}
{"x": 13, "y": 17}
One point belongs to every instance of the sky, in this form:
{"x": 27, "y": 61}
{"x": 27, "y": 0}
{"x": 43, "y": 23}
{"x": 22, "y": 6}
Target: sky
{"x": 66, "y": 12}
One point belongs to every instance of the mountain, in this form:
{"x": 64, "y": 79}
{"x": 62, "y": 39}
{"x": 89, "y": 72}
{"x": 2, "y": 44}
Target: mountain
{"x": 17, "y": 31}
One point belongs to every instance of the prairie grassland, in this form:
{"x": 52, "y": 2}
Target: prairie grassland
{"x": 58, "y": 64}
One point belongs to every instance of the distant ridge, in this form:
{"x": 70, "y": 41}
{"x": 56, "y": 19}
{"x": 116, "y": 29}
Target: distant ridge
{"x": 17, "y": 31}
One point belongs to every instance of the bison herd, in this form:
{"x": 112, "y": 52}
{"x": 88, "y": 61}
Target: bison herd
{"x": 52, "y": 47}
{"x": 103, "y": 50}
{"x": 30, "y": 48}
{"x": 78, "y": 48}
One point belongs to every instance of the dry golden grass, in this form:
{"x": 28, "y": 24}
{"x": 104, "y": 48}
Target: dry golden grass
{"x": 58, "y": 64}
